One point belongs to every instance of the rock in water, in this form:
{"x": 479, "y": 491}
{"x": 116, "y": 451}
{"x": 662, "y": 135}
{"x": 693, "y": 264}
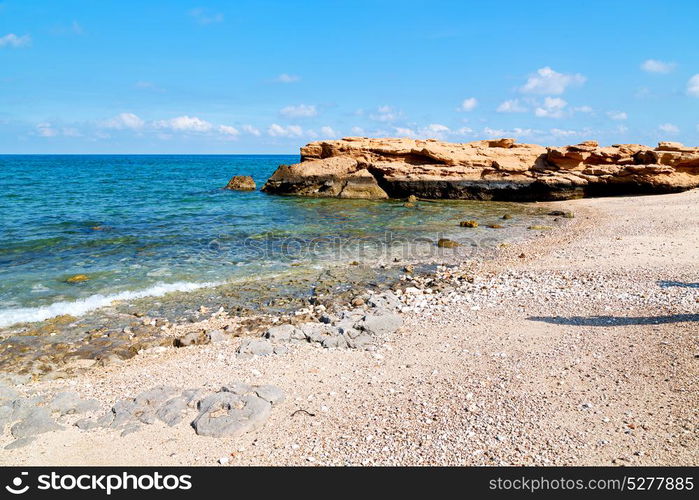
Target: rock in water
{"x": 241, "y": 183}
{"x": 497, "y": 169}
{"x": 78, "y": 278}
{"x": 447, "y": 243}
{"x": 468, "y": 223}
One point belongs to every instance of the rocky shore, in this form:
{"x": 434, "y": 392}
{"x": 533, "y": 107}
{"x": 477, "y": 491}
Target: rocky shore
{"x": 576, "y": 348}
{"x": 499, "y": 169}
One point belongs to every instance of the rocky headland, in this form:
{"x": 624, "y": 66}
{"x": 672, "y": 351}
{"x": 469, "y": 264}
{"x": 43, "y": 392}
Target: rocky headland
{"x": 499, "y": 169}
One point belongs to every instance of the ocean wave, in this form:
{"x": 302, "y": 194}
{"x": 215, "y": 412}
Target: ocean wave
{"x": 76, "y": 308}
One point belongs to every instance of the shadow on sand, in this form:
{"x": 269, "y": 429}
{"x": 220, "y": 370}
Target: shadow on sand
{"x": 615, "y": 320}
{"x": 682, "y": 284}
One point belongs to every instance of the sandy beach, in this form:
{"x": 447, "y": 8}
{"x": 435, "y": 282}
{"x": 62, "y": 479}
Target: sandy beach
{"x": 579, "y": 348}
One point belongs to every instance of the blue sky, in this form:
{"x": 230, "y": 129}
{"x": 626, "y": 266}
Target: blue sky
{"x": 81, "y": 76}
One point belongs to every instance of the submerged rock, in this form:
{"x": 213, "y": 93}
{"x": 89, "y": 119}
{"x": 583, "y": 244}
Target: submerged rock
{"x": 447, "y": 243}
{"x": 241, "y": 183}
{"x": 468, "y": 223}
{"x": 78, "y": 278}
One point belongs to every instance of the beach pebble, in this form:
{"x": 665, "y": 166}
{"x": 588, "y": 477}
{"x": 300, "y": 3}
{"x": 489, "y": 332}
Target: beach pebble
{"x": 229, "y": 414}
{"x": 66, "y": 403}
{"x": 281, "y": 333}
{"x": 256, "y": 347}
{"x": 20, "y": 443}
{"x": 215, "y": 336}
{"x": 35, "y": 422}
{"x": 172, "y": 412}
{"x": 380, "y": 324}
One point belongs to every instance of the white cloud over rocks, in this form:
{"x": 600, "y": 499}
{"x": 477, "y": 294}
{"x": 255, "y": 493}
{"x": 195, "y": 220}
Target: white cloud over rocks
{"x": 553, "y": 107}
{"x": 548, "y": 81}
{"x": 384, "y": 114}
{"x": 276, "y": 130}
{"x": 14, "y": 41}
{"x": 432, "y": 131}
{"x": 300, "y": 111}
{"x": 655, "y": 66}
{"x": 669, "y": 128}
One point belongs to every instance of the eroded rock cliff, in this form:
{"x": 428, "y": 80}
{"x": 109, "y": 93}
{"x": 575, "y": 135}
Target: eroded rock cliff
{"x": 499, "y": 169}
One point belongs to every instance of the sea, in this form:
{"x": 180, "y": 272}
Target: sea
{"x": 147, "y": 226}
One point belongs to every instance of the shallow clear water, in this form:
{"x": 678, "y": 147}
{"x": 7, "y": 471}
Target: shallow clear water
{"x": 148, "y": 225}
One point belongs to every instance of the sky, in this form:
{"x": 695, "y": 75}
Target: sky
{"x": 85, "y": 76}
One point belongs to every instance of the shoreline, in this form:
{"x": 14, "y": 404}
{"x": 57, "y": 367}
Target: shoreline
{"x": 461, "y": 381}
{"x": 381, "y": 259}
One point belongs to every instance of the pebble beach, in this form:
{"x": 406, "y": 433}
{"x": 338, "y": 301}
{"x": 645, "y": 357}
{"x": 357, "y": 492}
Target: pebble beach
{"x": 575, "y": 347}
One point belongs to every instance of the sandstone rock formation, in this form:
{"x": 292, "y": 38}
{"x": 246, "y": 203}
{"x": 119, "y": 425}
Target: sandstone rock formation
{"x": 241, "y": 183}
{"x": 498, "y": 169}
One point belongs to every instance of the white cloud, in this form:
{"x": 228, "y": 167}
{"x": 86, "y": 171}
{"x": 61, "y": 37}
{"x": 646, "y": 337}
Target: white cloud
{"x": 516, "y": 132}
{"x": 669, "y": 128}
{"x": 405, "y": 132}
{"x": 434, "y": 131}
{"x": 385, "y": 114}
{"x": 14, "y": 41}
{"x": 583, "y": 109}
{"x": 228, "y": 130}
{"x": 358, "y": 131}
{"x": 557, "y": 132}
{"x": 185, "y": 124}
{"x": 548, "y": 81}
{"x": 617, "y": 115}
{"x": 431, "y": 131}
{"x": 328, "y": 132}
{"x": 655, "y": 66}
{"x": 46, "y": 130}
{"x": 124, "y": 121}
{"x": 693, "y": 85}
{"x": 553, "y": 107}
{"x": 286, "y": 78}
{"x": 511, "y": 106}
{"x": 251, "y": 130}
{"x": 468, "y": 104}
{"x": 276, "y": 130}
{"x": 463, "y": 131}
{"x": 205, "y": 16}
{"x": 300, "y": 111}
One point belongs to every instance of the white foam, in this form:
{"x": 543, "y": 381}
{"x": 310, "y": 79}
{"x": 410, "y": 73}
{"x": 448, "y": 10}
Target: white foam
{"x": 78, "y": 307}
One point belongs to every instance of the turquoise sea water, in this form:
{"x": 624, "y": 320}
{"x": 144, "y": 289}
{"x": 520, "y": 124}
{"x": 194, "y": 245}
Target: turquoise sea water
{"x": 147, "y": 225}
